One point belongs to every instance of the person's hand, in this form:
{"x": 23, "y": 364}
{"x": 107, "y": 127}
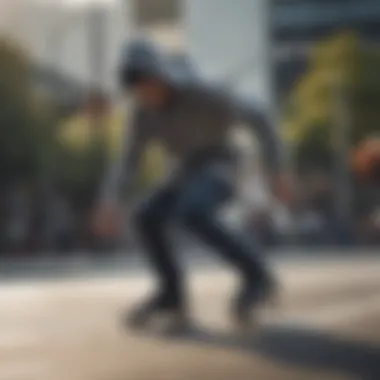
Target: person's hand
{"x": 107, "y": 220}
{"x": 282, "y": 188}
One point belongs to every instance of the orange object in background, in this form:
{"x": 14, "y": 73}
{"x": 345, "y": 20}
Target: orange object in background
{"x": 367, "y": 158}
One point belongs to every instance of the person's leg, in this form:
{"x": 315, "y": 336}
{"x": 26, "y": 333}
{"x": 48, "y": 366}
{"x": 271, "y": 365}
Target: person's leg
{"x": 151, "y": 221}
{"x": 198, "y": 205}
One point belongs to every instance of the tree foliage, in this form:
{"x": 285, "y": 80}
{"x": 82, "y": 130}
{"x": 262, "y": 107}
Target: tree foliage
{"x": 343, "y": 76}
{"x": 24, "y": 118}
{"x": 71, "y": 155}
{"x": 88, "y": 153}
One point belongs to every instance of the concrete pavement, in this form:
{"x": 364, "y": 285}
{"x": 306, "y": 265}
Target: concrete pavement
{"x": 328, "y": 327}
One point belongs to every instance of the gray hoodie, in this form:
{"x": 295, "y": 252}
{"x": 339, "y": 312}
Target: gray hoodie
{"x": 198, "y": 120}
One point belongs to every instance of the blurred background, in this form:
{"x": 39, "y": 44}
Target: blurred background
{"x": 313, "y": 64}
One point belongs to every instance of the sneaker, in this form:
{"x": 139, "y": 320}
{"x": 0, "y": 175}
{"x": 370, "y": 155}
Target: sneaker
{"x": 155, "y": 307}
{"x": 253, "y": 297}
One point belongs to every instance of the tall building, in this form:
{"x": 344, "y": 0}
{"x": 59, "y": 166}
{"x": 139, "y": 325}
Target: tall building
{"x": 229, "y": 41}
{"x": 297, "y": 24}
{"x": 76, "y": 38}
{"x": 13, "y": 19}
{"x": 81, "y": 39}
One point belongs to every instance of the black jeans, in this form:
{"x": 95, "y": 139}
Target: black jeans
{"x": 193, "y": 201}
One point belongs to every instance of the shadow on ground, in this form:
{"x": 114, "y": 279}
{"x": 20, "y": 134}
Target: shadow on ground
{"x": 294, "y": 346}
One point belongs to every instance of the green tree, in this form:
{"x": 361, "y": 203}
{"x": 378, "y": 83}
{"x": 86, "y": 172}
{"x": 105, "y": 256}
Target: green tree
{"x": 24, "y": 118}
{"x": 342, "y": 65}
{"x": 82, "y": 162}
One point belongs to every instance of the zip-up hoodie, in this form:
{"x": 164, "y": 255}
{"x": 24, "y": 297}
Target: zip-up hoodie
{"x": 197, "y": 121}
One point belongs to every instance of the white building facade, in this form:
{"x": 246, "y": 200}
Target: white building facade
{"x": 79, "y": 38}
{"x": 229, "y": 40}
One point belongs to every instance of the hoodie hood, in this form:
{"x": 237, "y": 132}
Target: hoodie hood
{"x": 147, "y": 58}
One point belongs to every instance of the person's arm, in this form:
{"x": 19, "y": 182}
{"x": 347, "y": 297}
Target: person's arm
{"x": 272, "y": 145}
{"x": 124, "y": 171}
{"x": 272, "y": 148}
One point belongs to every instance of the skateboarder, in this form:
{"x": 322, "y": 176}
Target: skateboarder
{"x": 192, "y": 121}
